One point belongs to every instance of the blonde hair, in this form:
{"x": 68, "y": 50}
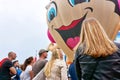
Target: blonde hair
{"x": 95, "y": 40}
{"x": 49, "y": 65}
{"x": 52, "y": 46}
{"x": 60, "y": 54}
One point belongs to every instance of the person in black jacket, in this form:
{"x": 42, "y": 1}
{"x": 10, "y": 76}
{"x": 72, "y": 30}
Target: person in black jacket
{"x": 97, "y": 57}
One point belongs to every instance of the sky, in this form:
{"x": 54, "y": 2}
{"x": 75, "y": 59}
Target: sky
{"x": 23, "y": 27}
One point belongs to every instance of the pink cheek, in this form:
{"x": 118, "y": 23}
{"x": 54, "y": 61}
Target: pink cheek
{"x": 50, "y": 36}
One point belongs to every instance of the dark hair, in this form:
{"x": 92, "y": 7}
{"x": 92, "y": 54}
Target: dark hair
{"x": 117, "y": 10}
{"x": 27, "y": 62}
{"x": 15, "y": 61}
{"x": 40, "y": 54}
{"x": 22, "y": 67}
{"x": 42, "y": 51}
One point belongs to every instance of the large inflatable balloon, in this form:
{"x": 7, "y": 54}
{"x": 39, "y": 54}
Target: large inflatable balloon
{"x": 65, "y": 17}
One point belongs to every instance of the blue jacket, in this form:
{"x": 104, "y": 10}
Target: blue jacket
{"x": 17, "y": 76}
{"x": 72, "y": 71}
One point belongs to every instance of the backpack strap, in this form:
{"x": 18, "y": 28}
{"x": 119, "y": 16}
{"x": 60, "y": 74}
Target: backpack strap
{"x": 2, "y": 61}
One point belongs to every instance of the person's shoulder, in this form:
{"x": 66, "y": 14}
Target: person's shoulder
{"x": 29, "y": 66}
{"x": 44, "y": 60}
{"x": 60, "y": 62}
{"x": 37, "y": 62}
{"x": 8, "y": 62}
{"x": 40, "y": 62}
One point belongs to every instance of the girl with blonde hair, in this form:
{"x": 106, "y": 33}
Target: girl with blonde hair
{"x": 97, "y": 57}
{"x": 56, "y": 68}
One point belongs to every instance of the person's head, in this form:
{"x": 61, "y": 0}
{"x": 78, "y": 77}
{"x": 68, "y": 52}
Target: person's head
{"x": 52, "y": 46}
{"x": 12, "y": 55}
{"x": 43, "y": 53}
{"x": 55, "y": 55}
{"x": 95, "y": 39}
{"x": 28, "y": 61}
{"x": 60, "y": 53}
{"x": 50, "y": 63}
{"x": 16, "y": 63}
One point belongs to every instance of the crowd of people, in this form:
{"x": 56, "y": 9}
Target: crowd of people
{"x": 54, "y": 69}
{"x": 96, "y": 58}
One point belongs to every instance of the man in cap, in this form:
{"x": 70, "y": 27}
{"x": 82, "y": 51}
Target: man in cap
{"x": 40, "y": 63}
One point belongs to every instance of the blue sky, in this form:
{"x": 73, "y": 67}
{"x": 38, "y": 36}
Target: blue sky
{"x": 23, "y": 27}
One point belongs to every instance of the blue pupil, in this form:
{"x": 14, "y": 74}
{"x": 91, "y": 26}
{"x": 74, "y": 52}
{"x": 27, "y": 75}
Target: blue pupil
{"x": 51, "y": 14}
{"x": 72, "y": 2}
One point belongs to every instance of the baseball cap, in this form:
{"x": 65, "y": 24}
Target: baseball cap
{"x": 42, "y": 51}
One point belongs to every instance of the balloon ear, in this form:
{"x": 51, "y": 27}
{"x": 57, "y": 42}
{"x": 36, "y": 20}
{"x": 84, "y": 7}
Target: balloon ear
{"x": 50, "y": 37}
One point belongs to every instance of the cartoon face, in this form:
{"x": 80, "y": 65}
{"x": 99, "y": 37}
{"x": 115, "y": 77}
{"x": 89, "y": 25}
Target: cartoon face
{"x": 65, "y": 17}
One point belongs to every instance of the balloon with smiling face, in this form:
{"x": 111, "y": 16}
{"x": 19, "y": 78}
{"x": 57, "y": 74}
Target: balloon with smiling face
{"x": 65, "y": 17}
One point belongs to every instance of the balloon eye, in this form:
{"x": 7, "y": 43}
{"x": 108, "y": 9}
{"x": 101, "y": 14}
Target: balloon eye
{"x": 52, "y": 12}
{"x": 74, "y": 2}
